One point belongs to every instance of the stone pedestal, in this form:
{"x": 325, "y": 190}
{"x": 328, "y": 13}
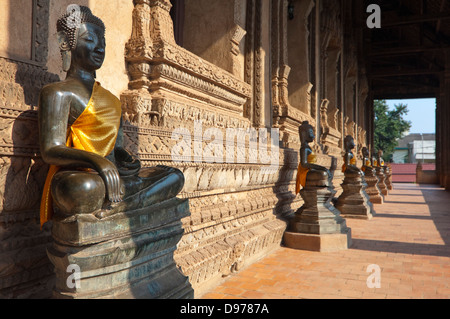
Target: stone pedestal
{"x": 124, "y": 256}
{"x": 354, "y": 201}
{"x": 318, "y": 225}
{"x": 381, "y": 180}
{"x": 388, "y": 180}
{"x": 372, "y": 189}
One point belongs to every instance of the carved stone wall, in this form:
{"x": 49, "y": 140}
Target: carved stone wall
{"x": 234, "y": 205}
{"x": 25, "y": 270}
{"x": 172, "y": 97}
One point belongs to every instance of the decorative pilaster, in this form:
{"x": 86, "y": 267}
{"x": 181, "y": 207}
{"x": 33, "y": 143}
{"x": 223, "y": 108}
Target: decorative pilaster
{"x": 161, "y": 26}
{"x": 136, "y": 102}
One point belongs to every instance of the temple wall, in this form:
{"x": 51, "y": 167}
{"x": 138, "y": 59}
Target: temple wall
{"x": 237, "y": 76}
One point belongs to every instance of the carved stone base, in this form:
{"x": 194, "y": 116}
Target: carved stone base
{"x": 382, "y": 181}
{"x": 127, "y": 255}
{"x": 372, "y": 190}
{"x": 318, "y": 225}
{"x": 354, "y": 201}
{"x": 388, "y": 180}
{"x": 324, "y": 243}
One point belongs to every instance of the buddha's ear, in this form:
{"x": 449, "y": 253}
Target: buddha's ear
{"x": 64, "y": 47}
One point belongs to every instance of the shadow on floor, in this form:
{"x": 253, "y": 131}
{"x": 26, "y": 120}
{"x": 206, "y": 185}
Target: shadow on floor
{"x": 406, "y": 203}
{"x": 438, "y": 200}
{"x": 403, "y": 216}
{"x": 401, "y": 247}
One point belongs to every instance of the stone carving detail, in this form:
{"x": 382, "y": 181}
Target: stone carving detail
{"x": 173, "y": 88}
{"x": 25, "y": 270}
{"x": 330, "y": 135}
{"x": 253, "y": 62}
{"x": 238, "y": 35}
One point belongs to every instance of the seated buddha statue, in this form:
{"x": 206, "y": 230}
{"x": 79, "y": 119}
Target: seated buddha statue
{"x": 81, "y": 135}
{"x": 367, "y": 164}
{"x": 379, "y": 161}
{"x": 309, "y": 173}
{"x": 349, "y": 167}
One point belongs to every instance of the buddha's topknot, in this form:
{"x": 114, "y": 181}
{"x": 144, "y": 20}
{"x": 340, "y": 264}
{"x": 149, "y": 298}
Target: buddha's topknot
{"x": 71, "y": 21}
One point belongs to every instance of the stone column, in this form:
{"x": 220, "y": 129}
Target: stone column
{"x": 445, "y": 120}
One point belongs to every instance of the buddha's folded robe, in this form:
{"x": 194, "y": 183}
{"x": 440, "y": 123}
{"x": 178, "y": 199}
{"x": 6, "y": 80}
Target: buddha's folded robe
{"x": 95, "y": 131}
{"x": 302, "y": 172}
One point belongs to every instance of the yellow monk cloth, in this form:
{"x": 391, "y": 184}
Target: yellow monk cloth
{"x": 352, "y": 162}
{"x": 376, "y": 163}
{"x": 367, "y": 164}
{"x": 302, "y": 172}
{"x": 95, "y": 131}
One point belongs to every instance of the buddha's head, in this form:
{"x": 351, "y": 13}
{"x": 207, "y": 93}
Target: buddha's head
{"x": 349, "y": 143}
{"x": 81, "y": 37}
{"x": 306, "y": 132}
{"x": 365, "y": 152}
{"x": 380, "y": 153}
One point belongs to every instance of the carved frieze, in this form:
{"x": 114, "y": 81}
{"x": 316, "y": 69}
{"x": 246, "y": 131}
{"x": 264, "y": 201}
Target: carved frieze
{"x": 25, "y": 270}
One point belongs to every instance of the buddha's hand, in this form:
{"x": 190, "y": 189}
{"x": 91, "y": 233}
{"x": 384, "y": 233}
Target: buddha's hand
{"x": 126, "y": 164}
{"x": 355, "y": 170}
{"x": 110, "y": 176}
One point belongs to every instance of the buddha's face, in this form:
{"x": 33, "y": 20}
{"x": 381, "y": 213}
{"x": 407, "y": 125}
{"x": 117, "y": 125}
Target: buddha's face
{"x": 350, "y": 143}
{"x": 365, "y": 152}
{"x": 310, "y": 135}
{"x": 89, "y": 53}
{"x": 380, "y": 153}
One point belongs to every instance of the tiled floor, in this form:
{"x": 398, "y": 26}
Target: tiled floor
{"x": 409, "y": 240}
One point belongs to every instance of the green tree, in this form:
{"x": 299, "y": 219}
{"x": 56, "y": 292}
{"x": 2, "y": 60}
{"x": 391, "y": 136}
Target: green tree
{"x": 389, "y": 127}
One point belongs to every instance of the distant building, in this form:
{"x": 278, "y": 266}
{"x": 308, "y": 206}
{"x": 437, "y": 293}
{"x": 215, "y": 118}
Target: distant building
{"x": 416, "y": 148}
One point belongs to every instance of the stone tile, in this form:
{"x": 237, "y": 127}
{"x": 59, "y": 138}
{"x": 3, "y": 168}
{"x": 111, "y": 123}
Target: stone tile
{"x": 406, "y": 241}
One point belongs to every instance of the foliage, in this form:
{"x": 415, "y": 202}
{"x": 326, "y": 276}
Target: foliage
{"x": 390, "y": 126}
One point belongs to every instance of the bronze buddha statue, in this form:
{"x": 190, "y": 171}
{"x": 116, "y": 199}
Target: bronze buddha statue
{"x": 349, "y": 166}
{"x": 309, "y": 173}
{"x": 367, "y": 163}
{"x": 380, "y": 160}
{"x": 81, "y": 136}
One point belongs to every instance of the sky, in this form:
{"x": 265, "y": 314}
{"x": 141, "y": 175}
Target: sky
{"x": 422, "y": 114}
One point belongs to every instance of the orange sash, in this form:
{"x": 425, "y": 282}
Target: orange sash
{"x": 379, "y": 164}
{"x": 364, "y": 167}
{"x": 302, "y": 172}
{"x": 95, "y": 131}
{"x": 352, "y": 162}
